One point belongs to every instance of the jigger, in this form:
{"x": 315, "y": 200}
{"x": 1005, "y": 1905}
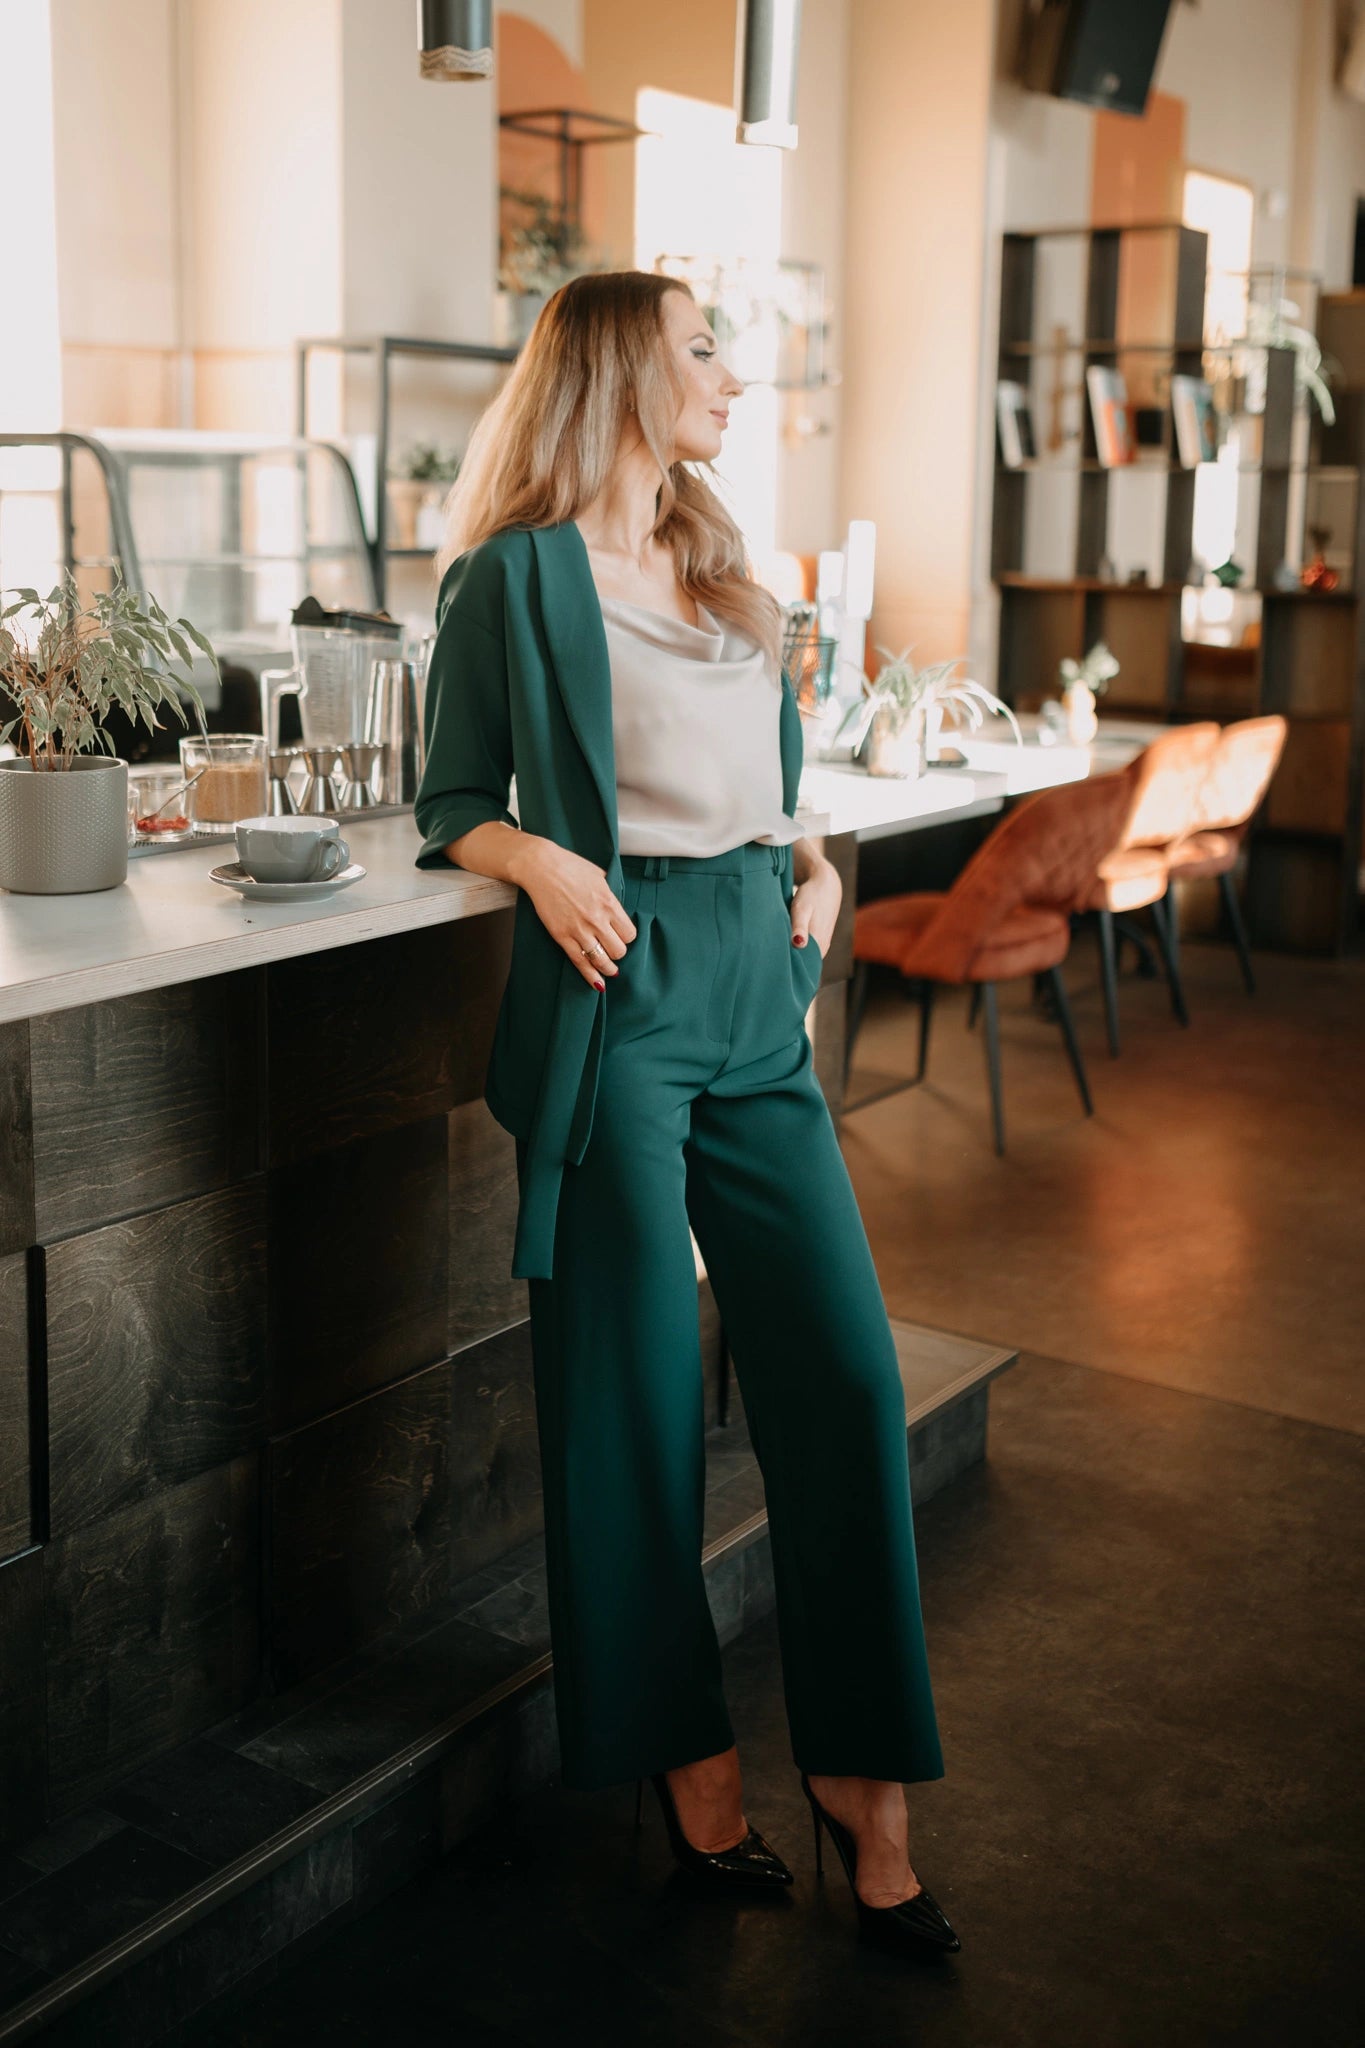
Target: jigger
{"x": 360, "y": 757}
{"x": 323, "y": 793}
{"x": 281, "y": 801}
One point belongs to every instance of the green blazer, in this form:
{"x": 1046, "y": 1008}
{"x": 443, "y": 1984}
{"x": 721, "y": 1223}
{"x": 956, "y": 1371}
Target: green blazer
{"x": 520, "y": 683}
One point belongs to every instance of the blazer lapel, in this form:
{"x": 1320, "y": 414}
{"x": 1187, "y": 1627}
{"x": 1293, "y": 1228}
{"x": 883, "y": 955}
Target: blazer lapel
{"x": 578, "y": 649}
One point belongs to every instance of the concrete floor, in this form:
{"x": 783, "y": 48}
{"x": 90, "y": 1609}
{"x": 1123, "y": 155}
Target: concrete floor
{"x": 1144, "y": 1612}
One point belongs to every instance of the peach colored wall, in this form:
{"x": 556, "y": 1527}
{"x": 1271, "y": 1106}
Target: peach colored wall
{"x": 533, "y": 71}
{"x": 688, "y": 50}
{"x": 919, "y": 99}
{"x": 1137, "y": 174}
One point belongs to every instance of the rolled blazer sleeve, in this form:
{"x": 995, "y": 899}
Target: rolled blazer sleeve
{"x": 468, "y": 728}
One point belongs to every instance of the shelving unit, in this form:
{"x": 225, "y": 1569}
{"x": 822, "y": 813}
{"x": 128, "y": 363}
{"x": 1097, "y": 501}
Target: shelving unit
{"x": 571, "y": 131}
{"x": 1044, "y": 617}
{"x": 1304, "y": 657}
{"x": 383, "y": 350}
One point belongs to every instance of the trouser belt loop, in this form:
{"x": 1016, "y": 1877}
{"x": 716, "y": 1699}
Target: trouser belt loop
{"x": 776, "y": 852}
{"x": 657, "y": 867}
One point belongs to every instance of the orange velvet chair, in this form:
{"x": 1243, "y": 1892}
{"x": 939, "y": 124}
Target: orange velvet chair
{"x": 1007, "y": 915}
{"x": 1134, "y": 872}
{"x": 1245, "y": 759}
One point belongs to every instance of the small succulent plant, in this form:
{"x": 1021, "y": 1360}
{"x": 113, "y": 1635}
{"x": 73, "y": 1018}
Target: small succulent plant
{"x": 1095, "y": 673}
{"x": 904, "y": 692}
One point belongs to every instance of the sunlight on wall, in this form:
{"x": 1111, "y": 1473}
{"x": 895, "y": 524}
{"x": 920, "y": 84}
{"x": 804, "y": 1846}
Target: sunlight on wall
{"x": 1225, "y": 209}
{"x": 30, "y": 350}
{"x": 706, "y": 203}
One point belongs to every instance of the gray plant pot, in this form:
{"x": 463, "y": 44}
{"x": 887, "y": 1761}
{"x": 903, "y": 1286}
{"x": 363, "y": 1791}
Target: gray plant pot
{"x": 64, "y": 833}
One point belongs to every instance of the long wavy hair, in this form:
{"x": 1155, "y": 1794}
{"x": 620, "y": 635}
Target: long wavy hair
{"x": 544, "y": 448}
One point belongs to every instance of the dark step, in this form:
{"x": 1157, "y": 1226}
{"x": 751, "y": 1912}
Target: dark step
{"x": 213, "y": 1867}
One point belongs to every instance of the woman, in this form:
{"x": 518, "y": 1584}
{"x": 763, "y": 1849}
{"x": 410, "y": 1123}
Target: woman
{"x": 600, "y": 639}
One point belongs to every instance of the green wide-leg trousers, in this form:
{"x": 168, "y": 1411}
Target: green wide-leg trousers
{"x": 708, "y": 1113}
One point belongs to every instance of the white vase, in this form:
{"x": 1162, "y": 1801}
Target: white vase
{"x": 1081, "y": 721}
{"x": 895, "y": 750}
{"x": 431, "y": 519}
{"x": 64, "y": 832}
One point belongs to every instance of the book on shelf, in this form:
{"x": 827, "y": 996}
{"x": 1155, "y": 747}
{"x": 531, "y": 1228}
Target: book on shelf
{"x": 1115, "y": 438}
{"x": 1014, "y": 423}
{"x": 1196, "y": 422}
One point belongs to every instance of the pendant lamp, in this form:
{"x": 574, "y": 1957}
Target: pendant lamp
{"x": 770, "y": 38}
{"x": 456, "y": 38}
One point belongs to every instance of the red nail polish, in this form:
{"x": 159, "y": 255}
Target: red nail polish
{"x": 599, "y": 984}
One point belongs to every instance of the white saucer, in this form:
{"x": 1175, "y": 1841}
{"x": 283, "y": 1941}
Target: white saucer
{"x": 234, "y": 876}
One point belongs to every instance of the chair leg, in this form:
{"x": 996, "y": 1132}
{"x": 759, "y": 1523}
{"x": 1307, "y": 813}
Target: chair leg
{"x": 1125, "y": 929}
{"x": 1073, "y": 1050}
{"x": 926, "y": 1018}
{"x": 1110, "y": 974}
{"x": 974, "y": 1007}
{"x": 857, "y": 1003}
{"x": 991, "y": 1011}
{"x": 1172, "y": 960}
{"x": 1239, "y": 931}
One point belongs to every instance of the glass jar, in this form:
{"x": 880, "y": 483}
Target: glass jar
{"x": 153, "y": 811}
{"x": 230, "y": 772}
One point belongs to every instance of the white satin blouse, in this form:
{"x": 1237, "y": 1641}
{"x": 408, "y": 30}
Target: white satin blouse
{"x": 695, "y": 728}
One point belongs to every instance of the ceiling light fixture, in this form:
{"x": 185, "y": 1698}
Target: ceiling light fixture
{"x": 768, "y": 47}
{"x": 456, "y": 39}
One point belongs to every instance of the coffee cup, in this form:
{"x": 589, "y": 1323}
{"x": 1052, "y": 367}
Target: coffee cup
{"x": 291, "y": 849}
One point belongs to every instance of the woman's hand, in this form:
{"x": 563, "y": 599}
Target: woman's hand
{"x": 815, "y": 904}
{"x": 573, "y": 902}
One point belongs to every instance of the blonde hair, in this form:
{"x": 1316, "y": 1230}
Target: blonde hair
{"x": 544, "y": 449}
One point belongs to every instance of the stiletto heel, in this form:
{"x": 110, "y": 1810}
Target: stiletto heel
{"x": 750, "y": 1864}
{"x": 916, "y": 1927}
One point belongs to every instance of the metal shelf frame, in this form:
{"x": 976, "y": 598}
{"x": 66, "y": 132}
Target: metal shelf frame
{"x": 382, "y": 349}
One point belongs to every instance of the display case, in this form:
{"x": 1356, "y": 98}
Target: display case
{"x": 227, "y": 530}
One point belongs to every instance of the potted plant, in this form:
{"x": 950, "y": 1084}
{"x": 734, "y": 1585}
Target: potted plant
{"x": 540, "y": 248}
{"x": 64, "y": 668}
{"x": 900, "y": 715}
{"x": 425, "y": 475}
{"x": 1082, "y": 682}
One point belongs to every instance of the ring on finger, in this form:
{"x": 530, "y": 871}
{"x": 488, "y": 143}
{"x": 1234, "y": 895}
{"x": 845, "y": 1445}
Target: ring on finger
{"x": 595, "y": 947}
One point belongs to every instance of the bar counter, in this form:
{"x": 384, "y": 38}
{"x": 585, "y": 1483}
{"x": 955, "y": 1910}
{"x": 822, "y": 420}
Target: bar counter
{"x": 272, "y": 1623}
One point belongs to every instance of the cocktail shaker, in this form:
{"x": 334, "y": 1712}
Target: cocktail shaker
{"x": 394, "y": 721}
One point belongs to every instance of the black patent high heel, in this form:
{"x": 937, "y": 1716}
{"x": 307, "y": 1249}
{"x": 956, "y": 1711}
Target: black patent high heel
{"x": 916, "y": 1927}
{"x": 751, "y": 1864}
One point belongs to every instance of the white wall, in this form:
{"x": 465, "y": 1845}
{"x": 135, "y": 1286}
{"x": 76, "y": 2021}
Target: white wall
{"x": 419, "y": 172}
{"x": 117, "y": 230}
{"x": 264, "y": 161}
{"x": 1330, "y": 157}
{"x": 30, "y": 348}
{"x": 1235, "y": 64}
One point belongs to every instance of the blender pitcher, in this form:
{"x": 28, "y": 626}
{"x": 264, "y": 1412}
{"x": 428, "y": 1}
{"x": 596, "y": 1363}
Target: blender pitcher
{"x": 334, "y": 653}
